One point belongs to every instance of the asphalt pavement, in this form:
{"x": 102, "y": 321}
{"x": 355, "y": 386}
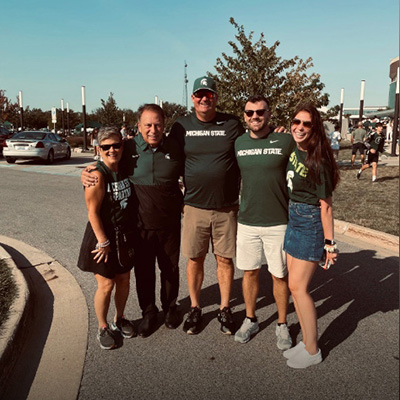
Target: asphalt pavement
{"x": 48, "y": 348}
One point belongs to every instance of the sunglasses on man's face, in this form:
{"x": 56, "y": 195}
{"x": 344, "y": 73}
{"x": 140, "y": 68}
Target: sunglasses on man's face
{"x": 306, "y": 124}
{"x": 115, "y": 146}
{"x": 260, "y": 113}
{"x": 204, "y": 93}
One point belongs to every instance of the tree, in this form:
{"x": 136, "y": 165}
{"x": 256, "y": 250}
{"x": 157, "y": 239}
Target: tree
{"x": 255, "y": 68}
{"x": 109, "y": 114}
{"x": 172, "y": 112}
{"x": 8, "y": 110}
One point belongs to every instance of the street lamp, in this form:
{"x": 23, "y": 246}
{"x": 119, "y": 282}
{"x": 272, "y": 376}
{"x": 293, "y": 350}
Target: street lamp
{"x": 62, "y": 117}
{"x": 68, "y": 119}
{"x": 84, "y": 119}
{"x": 341, "y": 109}
{"x": 362, "y": 100}
{"x": 21, "y": 110}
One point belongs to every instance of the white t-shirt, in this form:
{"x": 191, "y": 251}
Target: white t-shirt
{"x": 335, "y": 137}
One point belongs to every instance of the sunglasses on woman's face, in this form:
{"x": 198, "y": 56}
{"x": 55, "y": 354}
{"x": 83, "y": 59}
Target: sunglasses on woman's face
{"x": 250, "y": 113}
{"x": 115, "y": 146}
{"x": 306, "y": 124}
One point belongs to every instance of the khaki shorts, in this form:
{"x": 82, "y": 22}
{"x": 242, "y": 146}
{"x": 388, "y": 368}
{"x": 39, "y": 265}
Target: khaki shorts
{"x": 257, "y": 245}
{"x": 199, "y": 226}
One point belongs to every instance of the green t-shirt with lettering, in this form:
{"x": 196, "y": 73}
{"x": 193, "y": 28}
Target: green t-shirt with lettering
{"x": 211, "y": 175}
{"x": 262, "y": 163}
{"x": 301, "y": 189}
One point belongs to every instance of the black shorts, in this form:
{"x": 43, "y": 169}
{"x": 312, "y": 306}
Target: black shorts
{"x": 358, "y": 146}
{"x": 372, "y": 157}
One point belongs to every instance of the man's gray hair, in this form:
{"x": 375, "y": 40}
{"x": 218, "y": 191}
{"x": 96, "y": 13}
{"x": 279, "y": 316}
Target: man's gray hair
{"x": 108, "y": 131}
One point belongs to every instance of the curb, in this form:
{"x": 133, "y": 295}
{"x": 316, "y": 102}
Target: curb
{"x": 16, "y": 320}
{"x": 381, "y": 239}
{"x": 49, "y": 293}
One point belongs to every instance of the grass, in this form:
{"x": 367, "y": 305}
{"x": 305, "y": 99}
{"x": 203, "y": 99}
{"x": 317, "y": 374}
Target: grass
{"x": 372, "y": 205}
{"x": 8, "y": 291}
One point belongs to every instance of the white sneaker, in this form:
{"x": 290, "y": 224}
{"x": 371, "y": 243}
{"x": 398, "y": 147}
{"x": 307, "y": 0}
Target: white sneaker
{"x": 304, "y": 359}
{"x": 246, "y": 331}
{"x": 294, "y": 350}
{"x": 284, "y": 340}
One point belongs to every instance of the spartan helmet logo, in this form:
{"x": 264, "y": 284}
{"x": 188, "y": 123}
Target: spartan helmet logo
{"x": 289, "y": 177}
{"x": 203, "y": 82}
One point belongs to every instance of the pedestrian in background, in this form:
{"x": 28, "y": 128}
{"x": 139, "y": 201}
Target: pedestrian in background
{"x": 358, "y": 137}
{"x": 335, "y": 139}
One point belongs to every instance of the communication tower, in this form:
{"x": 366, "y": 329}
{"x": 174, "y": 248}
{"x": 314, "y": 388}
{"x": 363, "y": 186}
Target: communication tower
{"x": 185, "y": 92}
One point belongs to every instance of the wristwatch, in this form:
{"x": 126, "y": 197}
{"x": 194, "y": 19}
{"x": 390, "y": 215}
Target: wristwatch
{"x": 329, "y": 242}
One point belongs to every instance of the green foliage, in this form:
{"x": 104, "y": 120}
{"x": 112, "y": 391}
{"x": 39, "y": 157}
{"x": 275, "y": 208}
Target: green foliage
{"x": 172, "y": 112}
{"x": 8, "y": 290}
{"x": 254, "y": 68}
{"x": 9, "y": 110}
{"x": 109, "y": 114}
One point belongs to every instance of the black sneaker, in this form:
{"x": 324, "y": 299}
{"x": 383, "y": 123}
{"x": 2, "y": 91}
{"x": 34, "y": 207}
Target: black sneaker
{"x": 226, "y": 320}
{"x": 358, "y": 174}
{"x": 125, "y": 327}
{"x": 106, "y": 338}
{"x": 193, "y": 321}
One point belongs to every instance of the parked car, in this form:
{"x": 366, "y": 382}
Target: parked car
{"x": 36, "y": 145}
{"x": 4, "y": 135}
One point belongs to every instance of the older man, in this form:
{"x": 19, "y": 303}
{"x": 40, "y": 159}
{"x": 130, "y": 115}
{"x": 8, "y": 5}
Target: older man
{"x": 155, "y": 163}
{"x": 262, "y": 156}
{"x": 211, "y": 200}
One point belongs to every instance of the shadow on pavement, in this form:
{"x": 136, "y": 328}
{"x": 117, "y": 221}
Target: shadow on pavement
{"x": 32, "y": 335}
{"x": 365, "y": 283}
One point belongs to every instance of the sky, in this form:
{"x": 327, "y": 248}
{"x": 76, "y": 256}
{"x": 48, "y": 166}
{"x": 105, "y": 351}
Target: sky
{"x": 137, "y": 49}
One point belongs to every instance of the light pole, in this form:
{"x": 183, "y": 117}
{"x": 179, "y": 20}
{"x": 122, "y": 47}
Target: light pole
{"x": 84, "y": 119}
{"x": 396, "y": 117}
{"x": 62, "y": 117}
{"x": 362, "y": 100}
{"x": 341, "y": 110}
{"x": 68, "y": 119}
{"x": 21, "y": 110}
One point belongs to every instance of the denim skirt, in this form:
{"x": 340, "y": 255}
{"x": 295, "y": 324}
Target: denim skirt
{"x": 304, "y": 238}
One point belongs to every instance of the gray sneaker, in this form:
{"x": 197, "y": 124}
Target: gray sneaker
{"x": 284, "y": 341}
{"x": 246, "y": 331}
{"x": 106, "y": 338}
{"x": 124, "y": 326}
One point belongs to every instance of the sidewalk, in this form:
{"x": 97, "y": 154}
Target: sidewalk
{"x": 57, "y": 338}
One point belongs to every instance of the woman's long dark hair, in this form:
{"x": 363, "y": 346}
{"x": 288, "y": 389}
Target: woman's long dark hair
{"x": 319, "y": 150}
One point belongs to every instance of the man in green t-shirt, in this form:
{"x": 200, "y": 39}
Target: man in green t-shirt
{"x": 262, "y": 155}
{"x": 211, "y": 181}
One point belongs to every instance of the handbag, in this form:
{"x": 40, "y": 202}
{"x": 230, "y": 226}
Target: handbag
{"x": 123, "y": 242}
{"x": 125, "y": 250}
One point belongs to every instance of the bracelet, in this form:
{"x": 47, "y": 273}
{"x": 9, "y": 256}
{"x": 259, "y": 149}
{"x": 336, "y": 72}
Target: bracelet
{"x": 102, "y": 245}
{"x": 331, "y": 249}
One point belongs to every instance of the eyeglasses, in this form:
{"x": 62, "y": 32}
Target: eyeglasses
{"x": 250, "y": 113}
{"x": 306, "y": 124}
{"x": 115, "y": 146}
{"x": 204, "y": 93}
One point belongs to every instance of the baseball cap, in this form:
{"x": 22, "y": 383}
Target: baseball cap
{"x": 204, "y": 82}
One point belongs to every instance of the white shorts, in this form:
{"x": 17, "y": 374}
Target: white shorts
{"x": 256, "y": 245}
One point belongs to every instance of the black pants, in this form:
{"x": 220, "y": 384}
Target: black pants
{"x": 163, "y": 246}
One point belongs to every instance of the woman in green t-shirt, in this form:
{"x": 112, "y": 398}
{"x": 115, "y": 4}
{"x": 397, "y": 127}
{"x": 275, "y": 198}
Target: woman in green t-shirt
{"x": 312, "y": 175}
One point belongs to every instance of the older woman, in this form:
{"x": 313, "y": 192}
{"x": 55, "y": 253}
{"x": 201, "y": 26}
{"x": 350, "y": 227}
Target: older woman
{"x": 109, "y": 203}
{"x": 312, "y": 175}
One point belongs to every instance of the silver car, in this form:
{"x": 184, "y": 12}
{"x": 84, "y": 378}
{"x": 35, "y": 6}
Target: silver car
{"x": 36, "y": 145}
